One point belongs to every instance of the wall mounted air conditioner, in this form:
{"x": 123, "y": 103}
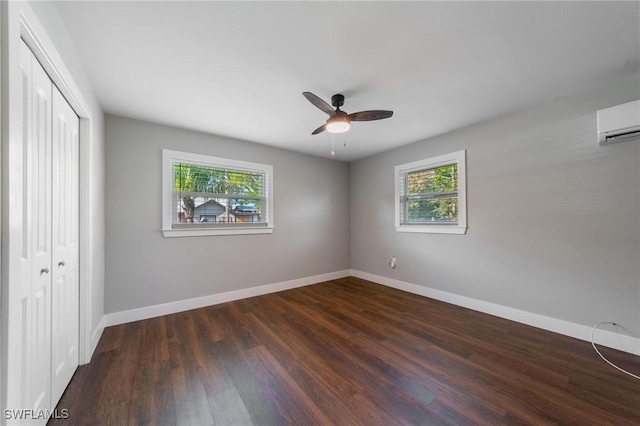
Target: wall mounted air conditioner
{"x": 619, "y": 123}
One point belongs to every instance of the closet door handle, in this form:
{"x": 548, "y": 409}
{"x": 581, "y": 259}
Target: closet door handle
{"x": 61, "y": 263}
{"x": 44, "y": 271}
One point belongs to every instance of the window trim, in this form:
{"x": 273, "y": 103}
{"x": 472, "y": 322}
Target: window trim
{"x": 169, "y": 157}
{"x": 460, "y": 228}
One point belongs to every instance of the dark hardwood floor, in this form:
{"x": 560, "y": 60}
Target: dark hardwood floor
{"x": 346, "y": 352}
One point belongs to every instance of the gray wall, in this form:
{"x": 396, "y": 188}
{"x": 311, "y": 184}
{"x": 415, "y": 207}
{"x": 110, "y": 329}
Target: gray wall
{"x": 143, "y": 268}
{"x": 554, "y": 218}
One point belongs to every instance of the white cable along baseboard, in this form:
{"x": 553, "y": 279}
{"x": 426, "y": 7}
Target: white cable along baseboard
{"x": 607, "y": 338}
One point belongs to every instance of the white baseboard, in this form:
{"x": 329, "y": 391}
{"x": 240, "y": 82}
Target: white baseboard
{"x": 603, "y": 337}
{"x": 214, "y": 299}
{"x": 96, "y": 335}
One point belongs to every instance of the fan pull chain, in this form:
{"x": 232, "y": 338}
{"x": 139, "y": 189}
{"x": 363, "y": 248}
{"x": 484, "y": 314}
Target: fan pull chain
{"x": 332, "y": 151}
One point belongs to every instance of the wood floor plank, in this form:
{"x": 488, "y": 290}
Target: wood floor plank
{"x": 346, "y": 352}
{"x": 283, "y": 389}
{"x": 190, "y": 399}
{"x": 228, "y": 408}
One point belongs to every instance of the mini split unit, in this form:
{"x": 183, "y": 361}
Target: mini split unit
{"x": 619, "y": 123}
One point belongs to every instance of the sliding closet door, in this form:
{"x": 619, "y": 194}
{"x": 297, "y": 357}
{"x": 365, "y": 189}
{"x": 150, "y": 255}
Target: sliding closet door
{"x": 36, "y": 311}
{"x": 65, "y": 226}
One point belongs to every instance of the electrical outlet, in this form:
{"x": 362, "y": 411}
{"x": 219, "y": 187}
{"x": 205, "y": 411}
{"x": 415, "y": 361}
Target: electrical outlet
{"x": 393, "y": 262}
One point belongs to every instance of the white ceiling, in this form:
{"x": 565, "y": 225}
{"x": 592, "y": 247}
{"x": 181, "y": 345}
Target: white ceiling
{"x": 238, "y": 69}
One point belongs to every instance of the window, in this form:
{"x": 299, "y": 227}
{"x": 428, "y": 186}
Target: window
{"x": 205, "y": 195}
{"x": 430, "y": 195}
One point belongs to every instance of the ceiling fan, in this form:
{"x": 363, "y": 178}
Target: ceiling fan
{"x": 339, "y": 121}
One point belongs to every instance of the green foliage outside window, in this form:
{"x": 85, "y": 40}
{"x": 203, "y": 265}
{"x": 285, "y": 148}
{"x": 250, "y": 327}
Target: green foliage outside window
{"x": 230, "y": 188}
{"x": 193, "y": 178}
{"x": 432, "y": 194}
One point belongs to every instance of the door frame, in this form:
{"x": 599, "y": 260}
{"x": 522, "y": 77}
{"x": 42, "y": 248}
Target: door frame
{"x": 42, "y": 48}
{"x": 19, "y": 22}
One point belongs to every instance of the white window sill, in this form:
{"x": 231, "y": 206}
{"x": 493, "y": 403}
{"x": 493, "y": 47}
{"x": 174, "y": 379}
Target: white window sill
{"x": 432, "y": 229}
{"x": 171, "y": 233}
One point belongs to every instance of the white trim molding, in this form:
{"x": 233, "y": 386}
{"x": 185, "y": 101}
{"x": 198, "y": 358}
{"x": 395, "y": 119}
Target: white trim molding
{"x": 607, "y": 338}
{"x": 170, "y": 157}
{"x": 97, "y": 334}
{"x": 147, "y": 312}
{"x": 400, "y": 173}
{"x": 34, "y": 35}
{"x": 20, "y": 23}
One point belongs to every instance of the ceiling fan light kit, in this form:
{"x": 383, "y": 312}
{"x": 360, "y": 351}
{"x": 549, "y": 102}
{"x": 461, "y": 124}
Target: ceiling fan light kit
{"x": 339, "y": 121}
{"x": 338, "y": 124}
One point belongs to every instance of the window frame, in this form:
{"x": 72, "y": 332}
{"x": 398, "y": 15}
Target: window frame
{"x": 169, "y": 157}
{"x": 459, "y": 158}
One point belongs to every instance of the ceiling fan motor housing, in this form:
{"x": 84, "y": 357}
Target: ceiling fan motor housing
{"x": 337, "y": 100}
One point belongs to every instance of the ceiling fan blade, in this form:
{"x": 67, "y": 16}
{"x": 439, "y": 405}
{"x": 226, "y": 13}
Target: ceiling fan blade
{"x": 370, "y": 115}
{"x": 319, "y": 103}
{"x": 320, "y": 129}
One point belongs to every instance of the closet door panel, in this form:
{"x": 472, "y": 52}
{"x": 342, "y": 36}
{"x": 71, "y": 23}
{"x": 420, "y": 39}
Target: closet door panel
{"x": 38, "y": 189}
{"x": 20, "y": 341}
{"x": 44, "y": 305}
{"x": 65, "y": 291}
